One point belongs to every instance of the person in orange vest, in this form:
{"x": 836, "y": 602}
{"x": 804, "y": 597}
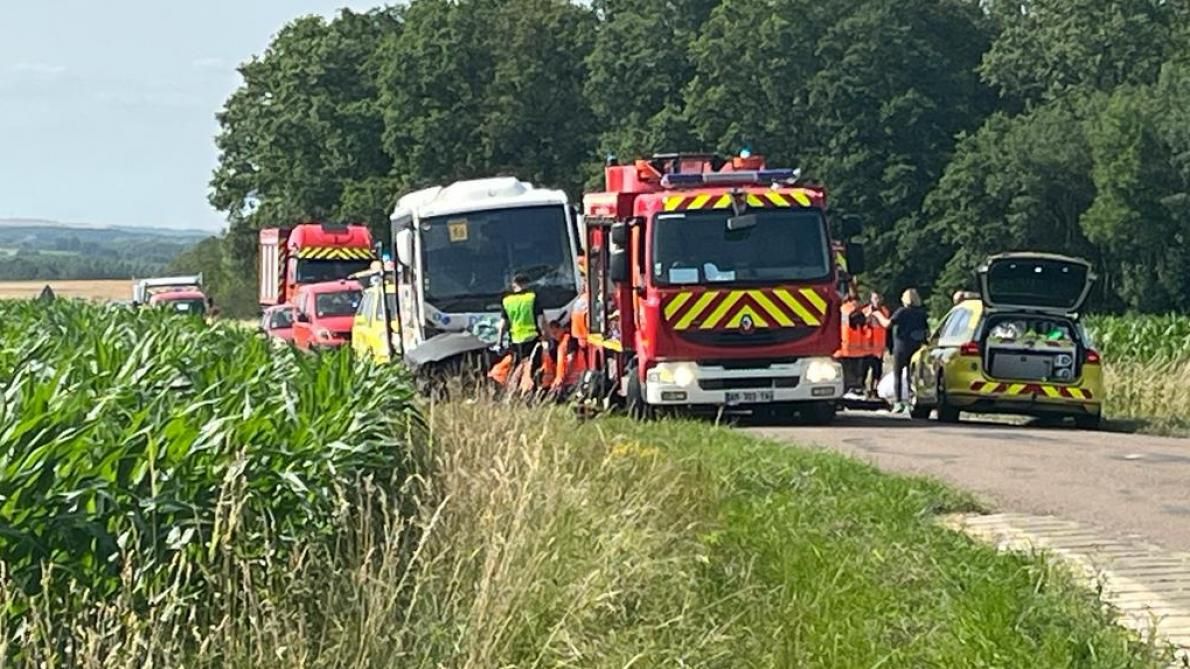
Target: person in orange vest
{"x": 875, "y": 342}
{"x": 549, "y": 358}
{"x": 500, "y": 371}
{"x": 569, "y": 365}
{"x": 852, "y": 348}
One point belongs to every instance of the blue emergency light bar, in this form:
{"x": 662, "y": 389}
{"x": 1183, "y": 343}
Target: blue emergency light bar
{"x": 727, "y": 178}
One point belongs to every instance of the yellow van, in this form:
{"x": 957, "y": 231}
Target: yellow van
{"x": 369, "y": 336}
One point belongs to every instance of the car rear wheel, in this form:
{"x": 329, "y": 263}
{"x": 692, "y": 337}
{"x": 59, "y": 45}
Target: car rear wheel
{"x": 1088, "y": 421}
{"x": 946, "y": 412}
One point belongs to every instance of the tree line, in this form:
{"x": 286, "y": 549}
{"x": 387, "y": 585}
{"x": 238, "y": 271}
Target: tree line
{"x": 953, "y": 128}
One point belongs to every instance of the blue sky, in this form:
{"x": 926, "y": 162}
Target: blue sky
{"x": 107, "y": 107}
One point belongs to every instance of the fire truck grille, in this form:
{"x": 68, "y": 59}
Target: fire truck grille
{"x": 759, "y": 337}
{"x": 761, "y": 383}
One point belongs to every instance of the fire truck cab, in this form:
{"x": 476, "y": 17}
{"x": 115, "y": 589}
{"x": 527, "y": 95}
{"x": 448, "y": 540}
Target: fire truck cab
{"x": 712, "y": 283}
{"x": 310, "y": 253}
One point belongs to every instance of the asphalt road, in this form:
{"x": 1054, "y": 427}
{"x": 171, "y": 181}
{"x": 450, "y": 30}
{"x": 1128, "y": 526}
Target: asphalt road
{"x": 1128, "y": 484}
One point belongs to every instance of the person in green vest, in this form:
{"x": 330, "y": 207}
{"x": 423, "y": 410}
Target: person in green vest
{"x": 521, "y": 318}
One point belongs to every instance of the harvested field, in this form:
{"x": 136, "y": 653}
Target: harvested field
{"x": 108, "y": 289}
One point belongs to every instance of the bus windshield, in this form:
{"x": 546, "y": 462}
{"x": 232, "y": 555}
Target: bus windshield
{"x": 695, "y": 247}
{"x": 470, "y": 258}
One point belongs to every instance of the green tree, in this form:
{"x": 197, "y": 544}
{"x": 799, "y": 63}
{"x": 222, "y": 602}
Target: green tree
{"x": 305, "y": 126}
{"x": 1141, "y": 213}
{"x": 640, "y": 63}
{"x": 1019, "y": 183}
{"x": 1048, "y": 47}
{"x": 896, "y": 85}
{"x": 752, "y": 65}
{"x": 477, "y": 87}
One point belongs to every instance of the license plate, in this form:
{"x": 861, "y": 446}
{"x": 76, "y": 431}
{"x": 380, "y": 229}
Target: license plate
{"x": 749, "y": 396}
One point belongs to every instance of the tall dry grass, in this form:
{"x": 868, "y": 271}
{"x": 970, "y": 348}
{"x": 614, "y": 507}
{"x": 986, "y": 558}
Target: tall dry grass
{"x": 526, "y": 550}
{"x": 1149, "y": 394}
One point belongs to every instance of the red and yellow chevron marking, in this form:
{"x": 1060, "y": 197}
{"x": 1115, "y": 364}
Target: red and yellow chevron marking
{"x": 1053, "y": 392}
{"x": 798, "y": 197}
{"x": 745, "y": 309}
{"x": 335, "y": 253}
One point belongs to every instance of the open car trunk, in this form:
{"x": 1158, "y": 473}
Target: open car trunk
{"x": 1031, "y": 332}
{"x": 1032, "y": 347}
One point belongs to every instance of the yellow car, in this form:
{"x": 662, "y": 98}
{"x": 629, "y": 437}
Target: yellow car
{"x": 1018, "y": 348}
{"x": 369, "y": 336}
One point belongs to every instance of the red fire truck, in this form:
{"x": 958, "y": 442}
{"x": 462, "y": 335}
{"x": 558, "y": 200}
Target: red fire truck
{"x": 310, "y": 253}
{"x": 713, "y": 283}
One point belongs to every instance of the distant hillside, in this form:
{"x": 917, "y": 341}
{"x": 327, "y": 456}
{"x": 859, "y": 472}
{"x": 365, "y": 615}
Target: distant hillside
{"x": 41, "y": 249}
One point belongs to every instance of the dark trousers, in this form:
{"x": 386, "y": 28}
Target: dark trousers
{"x": 901, "y": 358}
{"x": 875, "y": 365}
{"x": 522, "y": 350}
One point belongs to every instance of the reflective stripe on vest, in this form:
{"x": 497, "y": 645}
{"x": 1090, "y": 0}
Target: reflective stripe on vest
{"x": 522, "y": 322}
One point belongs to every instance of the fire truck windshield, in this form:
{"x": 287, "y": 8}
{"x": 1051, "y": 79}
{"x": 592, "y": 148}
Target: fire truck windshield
{"x": 311, "y": 270}
{"x": 696, "y": 247}
{"x": 470, "y": 258}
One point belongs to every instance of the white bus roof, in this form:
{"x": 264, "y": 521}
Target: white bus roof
{"x": 475, "y": 195}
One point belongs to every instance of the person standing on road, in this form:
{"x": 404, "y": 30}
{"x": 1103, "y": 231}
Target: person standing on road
{"x": 876, "y": 342}
{"x": 851, "y": 351}
{"x": 909, "y": 326}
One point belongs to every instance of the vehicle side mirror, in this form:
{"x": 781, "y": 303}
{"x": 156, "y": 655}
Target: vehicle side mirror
{"x": 855, "y": 258}
{"x": 617, "y": 266}
{"x": 404, "y": 247}
{"x": 302, "y": 318}
{"x": 619, "y": 234}
{"x": 851, "y": 225}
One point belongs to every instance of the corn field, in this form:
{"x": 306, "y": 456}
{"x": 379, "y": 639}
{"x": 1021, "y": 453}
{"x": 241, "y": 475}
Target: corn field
{"x": 138, "y": 449}
{"x": 1164, "y": 338}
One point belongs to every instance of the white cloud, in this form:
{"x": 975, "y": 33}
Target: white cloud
{"x": 37, "y": 69}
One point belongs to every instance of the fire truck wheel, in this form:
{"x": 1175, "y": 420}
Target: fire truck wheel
{"x": 819, "y": 413}
{"x": 638, "y": 409}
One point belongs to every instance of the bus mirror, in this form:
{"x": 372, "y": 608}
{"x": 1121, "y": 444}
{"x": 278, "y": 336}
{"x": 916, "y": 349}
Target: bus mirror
{"x": 742, "y": 222}
{"x": 855, "y": 258}
{"x": 404, "y": 244}
{"x": 619, "y": 234}
{"x": 617, "y": 266}
{"x": 851, "y": 225}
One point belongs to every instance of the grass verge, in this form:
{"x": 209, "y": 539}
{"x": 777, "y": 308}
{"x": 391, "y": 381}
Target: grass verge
{"x": 541, "y": 542}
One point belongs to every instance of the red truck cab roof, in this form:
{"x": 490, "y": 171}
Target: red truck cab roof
{"x": 678, "y": 182}
{"x": 306, "y": 235}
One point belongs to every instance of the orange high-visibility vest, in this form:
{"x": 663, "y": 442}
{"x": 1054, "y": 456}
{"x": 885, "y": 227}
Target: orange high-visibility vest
{"x": 579, "y": 328}
{"x": 548, "y": 368}
{"x": 569, "y": 369}
{"x": 851, "y": 344}
{"x": 500, "y": 371}
{"x": 876, "y": 335}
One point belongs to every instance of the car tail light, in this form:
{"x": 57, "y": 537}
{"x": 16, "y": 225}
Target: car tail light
{"x": 1092, "y": 357}
{"x": 970, "y": 348}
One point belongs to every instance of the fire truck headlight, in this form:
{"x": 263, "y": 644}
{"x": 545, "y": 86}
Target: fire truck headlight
{"x": 822, "y": 370}
{"x": 684, "y": 375}
{"x": 676, "y": 373}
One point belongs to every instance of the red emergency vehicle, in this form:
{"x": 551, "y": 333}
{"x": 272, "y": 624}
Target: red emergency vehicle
{"x": 310, "y": 253}
{"x": 713, "y": 283}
